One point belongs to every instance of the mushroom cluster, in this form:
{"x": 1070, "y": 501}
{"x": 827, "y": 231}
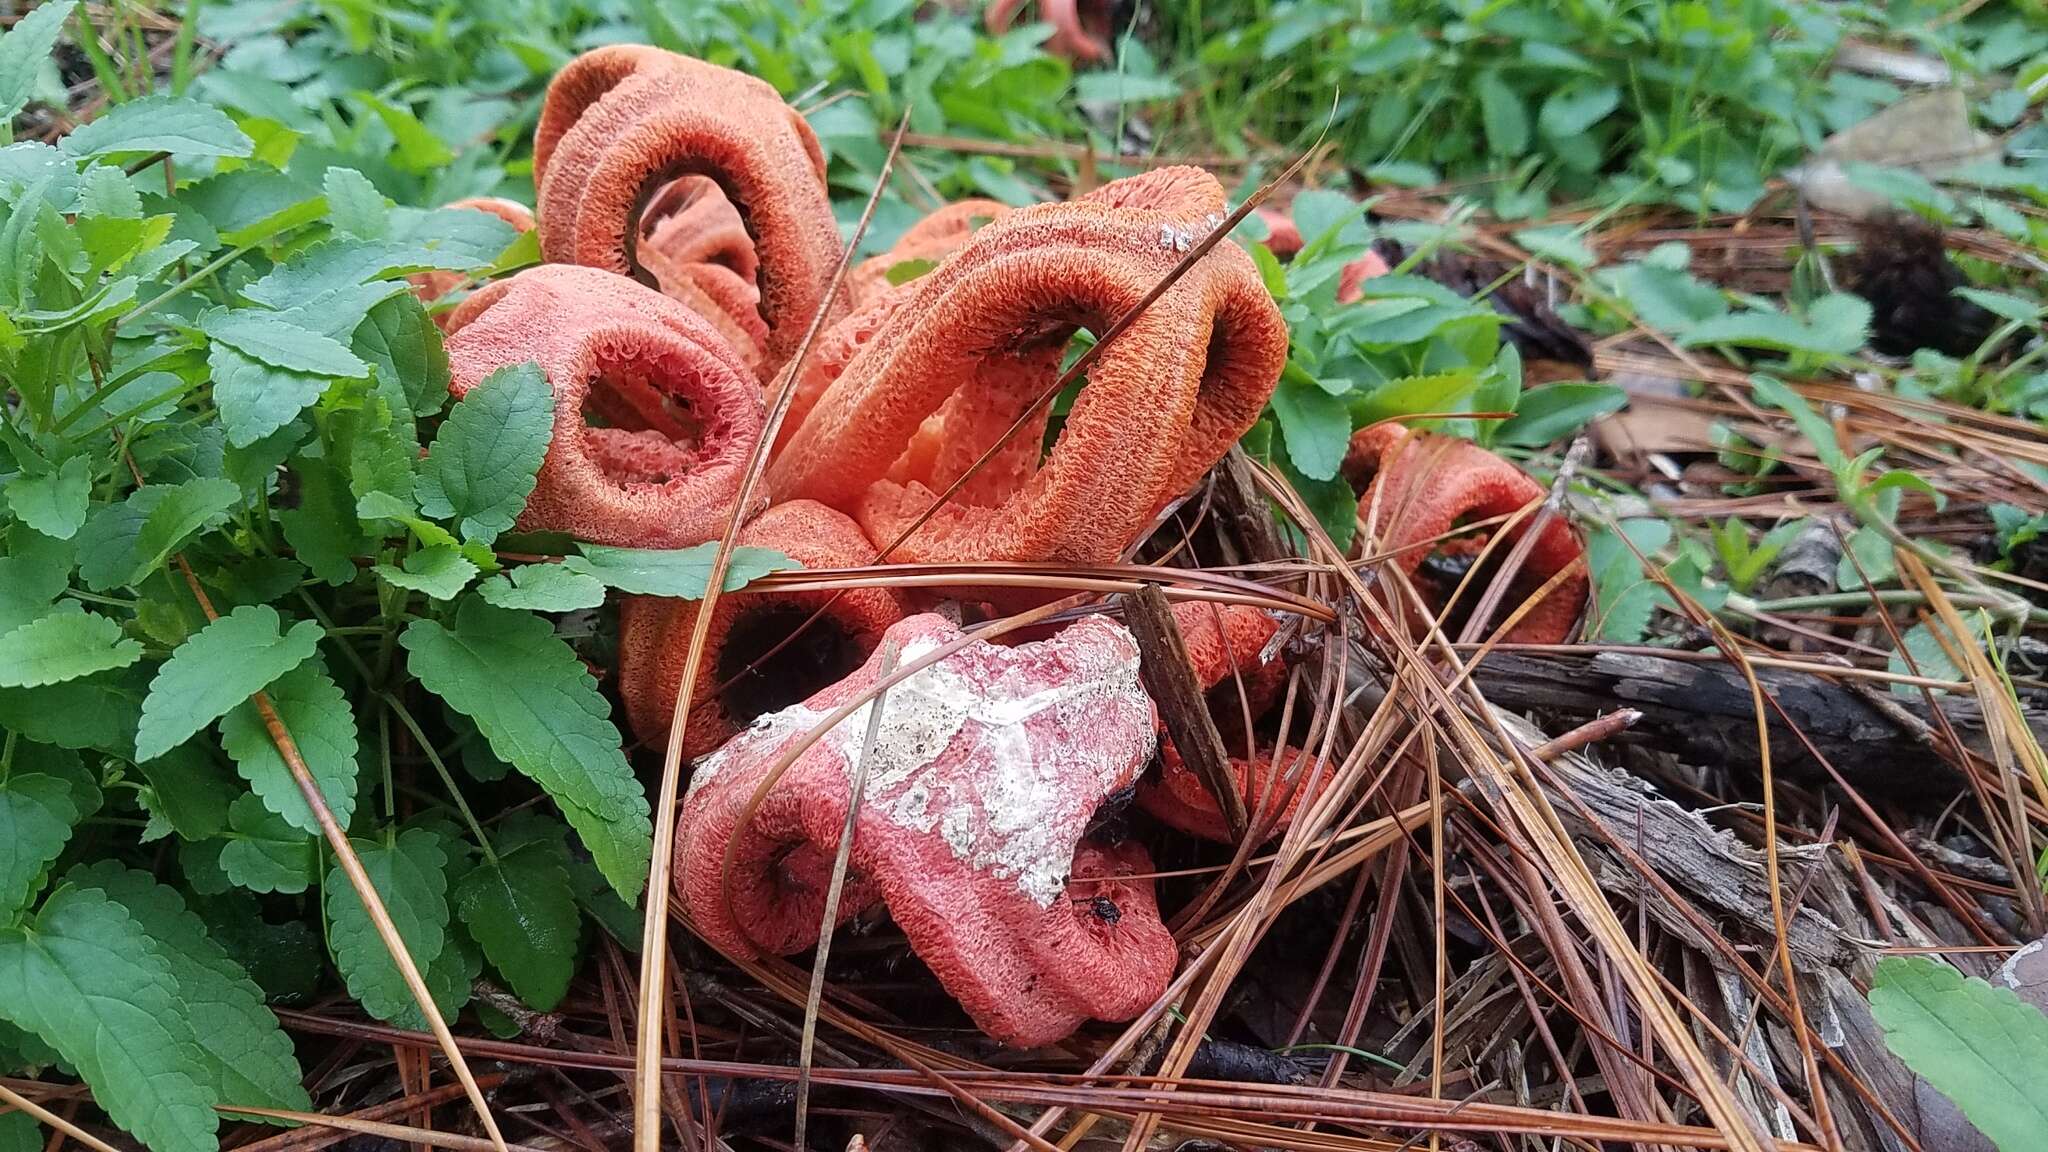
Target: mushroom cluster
{"x": 690, "y": 246}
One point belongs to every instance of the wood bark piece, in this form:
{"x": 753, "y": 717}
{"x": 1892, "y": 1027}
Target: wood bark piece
{"x": 1169, "y": 676}
{"x": 1701, "y": 712}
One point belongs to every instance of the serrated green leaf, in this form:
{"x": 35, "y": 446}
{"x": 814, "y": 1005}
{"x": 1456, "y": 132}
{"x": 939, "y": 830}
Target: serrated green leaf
{"x": 410, "y": 877}
{"x": 543, "y": 588}
{"x": 95, "y": 712}
{"x": 323, "y": 727}
{"x": 270, "y": 339}
{"x": 1625, "y": 598}
{"x": 256, "y": 399}
{"x": 323, "y": 529}
{"x": 53, "y": 503}
{"x": 404, "y": 347}
{"x": 250, "y": 205}
{"x": 682, "y": 573}
{"x": 1982, "y": 1046}
{"x": 264, "y": 853}
{"x": 222, "y": 665}
{"x": 441, "y": 572}
{"x": 483, "y": 463}
{"x": 24, "y": 49}
{"x": 354, "y": 205}
{"x": 539, "y": 708}
{"x": 1315, "y": 425}
{"x": 190, "y": 790}
{"x": 122, "y": 543}
{"x": 522, "y": 909}
{"x": 250, "y": 1058}
{"x": 175, "y": 124}
{"x": 34, "y": 573}
{"x": 83, "y": 977}
{"x": 37, "y": 814}
{"x": 64, "y": 646}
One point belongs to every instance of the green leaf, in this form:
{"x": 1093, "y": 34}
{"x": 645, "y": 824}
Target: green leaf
{"x": 256, "y": 399}
{"x": 122, "y": 543}
{"x": 18, "y": 1130}
{"x": 1836, "y": 325}
{"x": 23, "y": 51}
{"x": 189, "y": 789}
{"x": 175, "y": 124}
{"x": 64, "y": 646}
{"x": 2005, "y": 304}
{"x": 441, "y": 572}
{"x": 317, "y": 715}
{"x": 1112, "y": 87}
{"x": 1572, "y": 110}
{"x": 543, "y": 588}
{"x": 53, "y": 503}
{"x": 1559, "y": 244}
{"x": 250, "y": 1059}
{"x": 402, "y": 343}
{"x": 1555, "y": 411}
{"x": 419, "y": 150}
{"x": 1775, "y": 392}
{"x": 96, "y": 712}
{"x": 266, "y": 337}
{"x": 1662, "y": 293}
{"x": 1982, "y": 1046}
{"x": 539, "y": 707}
{"x": 354, "y": 206}
{"x": 222, "y": 665}
{"x": 411, "y": 878}
{"x": 1503, "y": 115}
{"x": 1624, "y": 596}
{"x": 522, "y": 909}
{"x": 32, "y": 576}
{"x": 482, "y": 465}
{"x": 83, "y": 977}
{"x": 1315, "y": 425}
{"x": 323, "y": 529}
{"x": 37, "y": 814}
{"x": 265, "y": 854}
{"x": 682, "y": 573}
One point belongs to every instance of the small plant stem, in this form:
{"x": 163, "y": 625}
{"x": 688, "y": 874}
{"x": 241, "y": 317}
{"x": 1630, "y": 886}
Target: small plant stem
{"x": 182, "y": 286}
{"x": 447, "y": 778}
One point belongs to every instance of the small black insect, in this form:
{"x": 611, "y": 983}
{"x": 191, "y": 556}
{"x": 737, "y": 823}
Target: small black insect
{"x": 1103, "y": 907}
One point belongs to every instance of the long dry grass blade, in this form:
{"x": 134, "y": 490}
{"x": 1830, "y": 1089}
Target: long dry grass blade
{"x": 857, "y": 789}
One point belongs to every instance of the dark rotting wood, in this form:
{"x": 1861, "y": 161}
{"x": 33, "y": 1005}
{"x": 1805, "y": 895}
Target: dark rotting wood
{"x": 1169, "y": 676}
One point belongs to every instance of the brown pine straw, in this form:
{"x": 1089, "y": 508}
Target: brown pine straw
{"x": 1113, "y": 1093}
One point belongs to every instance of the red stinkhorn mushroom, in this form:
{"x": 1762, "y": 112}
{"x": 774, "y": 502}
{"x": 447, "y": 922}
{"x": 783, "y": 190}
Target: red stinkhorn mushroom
{"x": 692, "y": 233}
{"x": 980, "y": 784}
{"x": 980, "y": 337}
{"x": 1423, "y": 485}
{"x": 1228, "y": 647}
{"x": 1081, "y": 29}
{"x": 619, "y": 124}
{"x": 431, "y": 286}
{"x": 678, "y": 414}
{"x": 738, "y": 679}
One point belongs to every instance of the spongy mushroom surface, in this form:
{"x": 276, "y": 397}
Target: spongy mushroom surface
{"x": 979, "y": 338}
{"x": 679, "y": 413}
{"x": 1420, "y": 485}
{"x": 621, "y": 124}
{"x": 984, "y": 773}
